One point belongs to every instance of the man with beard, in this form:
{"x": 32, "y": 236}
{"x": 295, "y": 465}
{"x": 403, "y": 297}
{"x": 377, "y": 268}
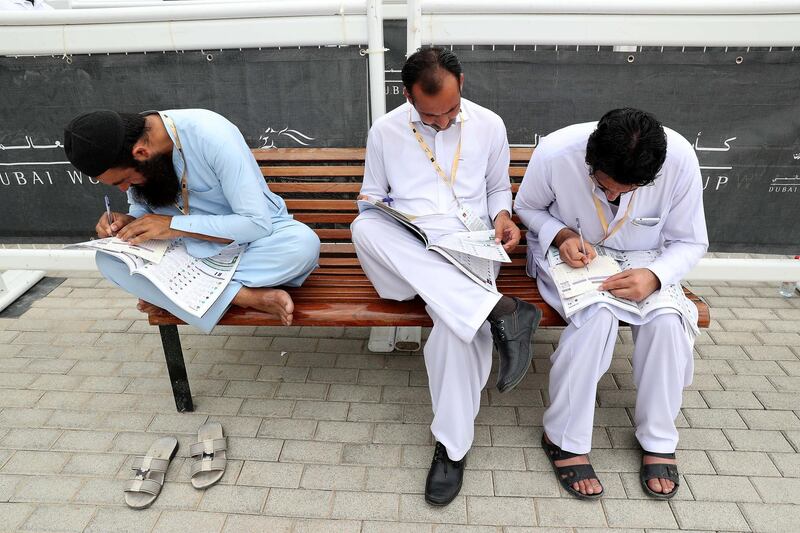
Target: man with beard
{"x": 189, "y": 174}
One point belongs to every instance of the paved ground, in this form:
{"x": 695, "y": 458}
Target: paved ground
{"x": 325, "y": 436}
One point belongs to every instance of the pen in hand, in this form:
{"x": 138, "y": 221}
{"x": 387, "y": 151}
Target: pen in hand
{"x": 580, "y": 236}
{"x": 109, "y": 215}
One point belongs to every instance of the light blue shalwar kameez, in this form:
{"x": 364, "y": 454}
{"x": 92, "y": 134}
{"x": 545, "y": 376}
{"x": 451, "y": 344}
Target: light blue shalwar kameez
{"x": 228, "y": 198}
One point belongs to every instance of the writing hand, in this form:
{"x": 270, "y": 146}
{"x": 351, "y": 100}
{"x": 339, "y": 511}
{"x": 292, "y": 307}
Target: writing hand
{"x": 635, "y": 284}
{"x": 104, "y": 229}
{"x": 148, "y": 227}
{"x": 569, "y": 247}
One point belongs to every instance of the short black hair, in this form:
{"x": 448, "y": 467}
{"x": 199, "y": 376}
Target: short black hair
{"x": 135, "y": 129}
{"x": 425, "y": 67}
{"x": 629, "y": 145}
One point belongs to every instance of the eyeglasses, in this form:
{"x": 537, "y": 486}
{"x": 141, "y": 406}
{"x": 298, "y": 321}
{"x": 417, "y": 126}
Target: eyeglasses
{"x": 605, "y": 189}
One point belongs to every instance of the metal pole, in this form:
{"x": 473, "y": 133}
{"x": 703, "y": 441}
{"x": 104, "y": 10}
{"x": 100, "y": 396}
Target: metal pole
{"x": 413, "y": 27}
{"x": 375, "y": 53}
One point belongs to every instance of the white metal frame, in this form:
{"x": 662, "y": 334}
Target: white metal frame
{"x": 609, "y": 23}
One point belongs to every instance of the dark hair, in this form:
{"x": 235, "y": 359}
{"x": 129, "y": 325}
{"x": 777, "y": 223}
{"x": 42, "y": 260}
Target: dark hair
{"x": 135, "y": 129}
{"x": 629, "y": 145}
{"x": 425, "y": 67}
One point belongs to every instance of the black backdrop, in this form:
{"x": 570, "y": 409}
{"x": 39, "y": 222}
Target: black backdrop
{"x": 739, "y": 107}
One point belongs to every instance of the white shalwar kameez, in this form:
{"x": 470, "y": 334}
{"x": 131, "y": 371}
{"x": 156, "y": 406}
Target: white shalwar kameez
{"x": 556, "y": 190}
{"x": 458, "y": 353}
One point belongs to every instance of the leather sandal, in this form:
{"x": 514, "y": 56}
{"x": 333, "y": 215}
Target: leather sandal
{"x": 209, "y": 455}
{"x": 149, "y": 471}
{"x": 659, "y": 470}
{"x": 567, "y": 475}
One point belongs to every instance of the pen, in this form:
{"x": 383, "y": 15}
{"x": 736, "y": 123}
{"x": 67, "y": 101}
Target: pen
{"x": 108, "y": 212}
{"x": 580, "y": 235}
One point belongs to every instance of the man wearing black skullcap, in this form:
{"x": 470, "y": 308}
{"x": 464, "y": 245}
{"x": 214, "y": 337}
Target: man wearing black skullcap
{"x": 189, "y": 174}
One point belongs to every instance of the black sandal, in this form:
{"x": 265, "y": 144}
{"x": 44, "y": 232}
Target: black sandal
{"x": 567, "y": 475}
{"x": 659, "y": 470}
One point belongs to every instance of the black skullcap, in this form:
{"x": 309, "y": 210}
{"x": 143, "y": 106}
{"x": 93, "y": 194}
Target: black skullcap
{"x": 93, "y": 141}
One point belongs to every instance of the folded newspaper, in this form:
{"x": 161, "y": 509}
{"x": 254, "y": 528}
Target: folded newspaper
{"x": 191, "y": 283}
{"x": 472, "y": 252}
{"x": 578, "y": 287}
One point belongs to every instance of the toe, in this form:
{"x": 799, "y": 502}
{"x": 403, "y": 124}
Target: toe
{"x": 654, "y": 485}
{"x": 596, "y": 486}
{"x": 666, "y": 486}
{"x": 577, "y": 486}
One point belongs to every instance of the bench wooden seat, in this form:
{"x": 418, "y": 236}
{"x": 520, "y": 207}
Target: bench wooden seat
{"x": 319, "y": 186}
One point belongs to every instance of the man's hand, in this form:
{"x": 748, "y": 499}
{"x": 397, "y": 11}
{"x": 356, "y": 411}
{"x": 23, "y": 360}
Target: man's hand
{"x": 148, "y": 227}
{"x": 505, "y": 231}
{"x": 569, "y": 247}
{"x": 104, "y": 229}
{"x": 635, "y": 284}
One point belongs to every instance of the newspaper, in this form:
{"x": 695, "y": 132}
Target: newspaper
{"x": 191, "y": 283}
{"x": 472, "y": 252}
{"x": 578, "y": 287}
{"x": 151, "y": 250}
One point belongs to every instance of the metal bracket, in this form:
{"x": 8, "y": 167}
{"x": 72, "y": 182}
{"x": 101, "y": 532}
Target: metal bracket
{"x": 14, "y": 283}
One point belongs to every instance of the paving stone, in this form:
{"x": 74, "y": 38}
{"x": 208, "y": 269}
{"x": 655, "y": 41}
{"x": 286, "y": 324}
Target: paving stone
{"x": 731, "y": 399}
{"x": 371, "y": 454}
{"x": 757, "y": 441}
{"x": 501, "y": 511}
{"x": 181, "y": 496}
{"x": 398, "y": 527}
{"x": 283, "y": 374}
{"x": 93, "y": 464}
{"x": 495, "y": 458}
{"x": 23, "y": 417}
{"x": 778, "y": 490}
{"x": 743, "y": 463}
{"x": 233, "y": 500}
{"x": 257, "y": 524}
{"x": 287, "y": 428}
{"x": 771, "y": 517}
{"x": 714, "y": 418}
{"x": 354, "y": 393}
{"x": 182, "y": 521}
{"x": 14, "y": 514}
{"x": 786, "y": 383}
{"x": 47, "y": 489}
{"x": 333, "y": 375}
{"x": 320, "y": 410}
{"x": 105, "y": 384}
{"x": 250, "y": 389}
{"x": 770, "y": 353}
{"x": 333, "y": 477}
{"x": 302, "y": 391}
{"x": 299, "y": 502}
{"x": 30, "y": 439}
{"x": 639, "y": 513}
{"x": 774, "y": 420}
{"x": 721, "y": 352}
{"x": 259, "y": 449}
{"x": 267, "y": 408}
{"x": 84, "y": 441}
{"x": 59, "y": 518}
{"x": 366, "y": 505}
{"x": 367, "y": 412}
{"x": 270, "y": 474}
{"x": 35, "y": 462}
{"x": 383, "y": 377}
{"x": 402, "y": 434}
{"x": 776, "y": 339}
{"x": 564, "y": 512}
{"x": 414, "y": 509}
{"x": 722, "y": 488}
{"x": 345, "y": 432}
{"x": 408, "y": 395}
{"x": 709, "y": 515}
{"x": 295, "y": 451}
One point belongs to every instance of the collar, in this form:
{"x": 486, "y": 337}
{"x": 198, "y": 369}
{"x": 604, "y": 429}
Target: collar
{"x": 463, "y": 115}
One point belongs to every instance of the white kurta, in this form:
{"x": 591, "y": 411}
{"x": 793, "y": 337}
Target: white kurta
{"x": 556, "y": 190}
{"x": 458, "y": 351}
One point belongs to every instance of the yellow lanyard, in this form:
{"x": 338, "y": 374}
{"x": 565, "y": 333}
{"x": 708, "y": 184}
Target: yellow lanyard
{"x": 603, "y": 222}
{"x": 184, "y": 189}
{"x": 451, "y": 180}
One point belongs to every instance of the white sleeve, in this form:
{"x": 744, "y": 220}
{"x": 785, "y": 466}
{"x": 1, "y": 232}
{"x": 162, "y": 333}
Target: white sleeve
{"x": 534, "y": 199}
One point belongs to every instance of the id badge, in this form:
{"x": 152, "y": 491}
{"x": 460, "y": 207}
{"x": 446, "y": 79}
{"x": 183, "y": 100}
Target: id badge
{"x": 469, "y": 219}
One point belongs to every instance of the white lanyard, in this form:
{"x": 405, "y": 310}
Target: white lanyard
{"x": 465, "y": 214}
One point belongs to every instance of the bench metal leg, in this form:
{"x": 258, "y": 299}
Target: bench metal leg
{"x": 171, "y": 342}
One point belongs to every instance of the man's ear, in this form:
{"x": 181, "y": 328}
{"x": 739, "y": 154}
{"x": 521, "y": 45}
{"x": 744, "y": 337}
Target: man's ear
{"x": 141, "y": 150}
{"x": 407, "y": 96}
{"x": 460, "y": 82}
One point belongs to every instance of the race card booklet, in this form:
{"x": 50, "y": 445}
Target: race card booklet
{"x": 472, "y": 252}
{"x": 578, "y": 287}
{"x": 191, "y": 283}
{"x": 151, "y": 250}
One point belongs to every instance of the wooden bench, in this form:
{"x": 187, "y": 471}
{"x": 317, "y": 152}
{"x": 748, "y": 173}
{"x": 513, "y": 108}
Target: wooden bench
{"x": 319, "y": 186}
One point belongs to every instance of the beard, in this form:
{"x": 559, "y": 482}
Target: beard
{"x": 161, "y": 186}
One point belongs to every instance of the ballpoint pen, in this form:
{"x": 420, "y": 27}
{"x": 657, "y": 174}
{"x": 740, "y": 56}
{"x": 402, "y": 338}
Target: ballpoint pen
{"x": 108, "y": 212}
{"x": 580, "y": 236}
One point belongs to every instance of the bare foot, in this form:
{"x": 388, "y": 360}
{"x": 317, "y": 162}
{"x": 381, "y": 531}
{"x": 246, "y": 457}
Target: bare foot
{"x": 273, "y": 301}
{"x": 584, "y": 486}
{"x": 146, "y": 307}
{"x": 664, "y": 486}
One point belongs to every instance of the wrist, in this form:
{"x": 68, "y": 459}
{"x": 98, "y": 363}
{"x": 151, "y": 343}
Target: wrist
{"x": 562, "y": 236}
{"x": 502, "y": 214}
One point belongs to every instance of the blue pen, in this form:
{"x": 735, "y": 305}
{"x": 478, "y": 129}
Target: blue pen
{"x": 108, "y": 212}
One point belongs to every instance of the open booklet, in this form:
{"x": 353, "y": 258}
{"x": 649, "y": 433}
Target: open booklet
{"x": 472, "y": 252}
{"x": 577, "y": 287}
{"x": 191, "y": 283}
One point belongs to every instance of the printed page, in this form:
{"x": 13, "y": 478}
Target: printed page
{"x": 192, "y": 284}
{"x": 151, "y": 250}
{"x": 474, "y": 243}
{"x": 480, "y": 270}
{"x": 571, "y": 282}
{"x": 405, "y": 219}
{"x": 672, "y": 296}
{"x": 573, "y": 305}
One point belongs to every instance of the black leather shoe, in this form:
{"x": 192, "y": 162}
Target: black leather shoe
{"x": 512, "y": 337}
{"x": 444, "y": 477}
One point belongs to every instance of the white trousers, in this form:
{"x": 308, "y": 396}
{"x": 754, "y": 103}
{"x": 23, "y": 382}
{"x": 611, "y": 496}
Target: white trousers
{"x": 458, "y": 352}
{"x": 662, "y": 367}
